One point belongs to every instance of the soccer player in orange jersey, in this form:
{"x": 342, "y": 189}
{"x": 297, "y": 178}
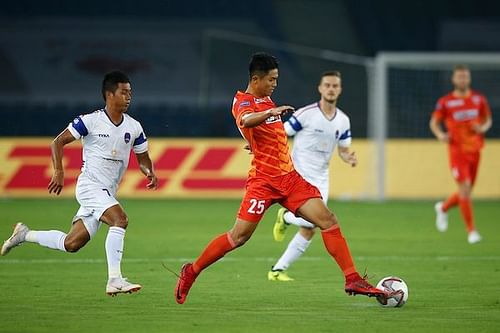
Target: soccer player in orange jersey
{"x": 467, "y": 116}
{"x": 272, "y": 179}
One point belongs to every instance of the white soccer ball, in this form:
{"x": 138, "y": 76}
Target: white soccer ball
{"x": 396, "y": 292}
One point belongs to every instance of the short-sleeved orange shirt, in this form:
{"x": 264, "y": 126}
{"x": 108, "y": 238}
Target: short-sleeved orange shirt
{"x": 459, "y": 115}
{"x": 268, "y": 141}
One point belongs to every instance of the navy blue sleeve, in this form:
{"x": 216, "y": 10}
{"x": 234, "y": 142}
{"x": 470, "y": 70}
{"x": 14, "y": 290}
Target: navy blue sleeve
{"x": 79, "y": 126}
{"x": 295, "y": 123}
{"x": 140, "y": 140}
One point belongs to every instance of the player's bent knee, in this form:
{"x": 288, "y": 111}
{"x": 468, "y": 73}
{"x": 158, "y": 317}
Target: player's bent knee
{"x": 72, "y": 245}
{"x": 240, "y": 239}
{"x": 308, "y": 232}
{"x": 327, "y": 220}
{"x": 121, "y": 222}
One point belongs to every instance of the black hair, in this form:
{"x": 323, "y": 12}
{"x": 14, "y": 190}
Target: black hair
{"x": 111, "y": 80}
{"x": 261, "y": 63}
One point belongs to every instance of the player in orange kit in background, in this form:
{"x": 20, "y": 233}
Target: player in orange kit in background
{"x": 272, "y": 178}
{"x": 467, "y": 117}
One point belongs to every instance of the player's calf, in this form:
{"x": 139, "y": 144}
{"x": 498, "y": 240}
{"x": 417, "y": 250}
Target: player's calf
{"x": 72, "y": 246}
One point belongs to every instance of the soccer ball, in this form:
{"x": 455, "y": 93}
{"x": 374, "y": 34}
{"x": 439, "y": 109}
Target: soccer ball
{"x": 396, "y": 292}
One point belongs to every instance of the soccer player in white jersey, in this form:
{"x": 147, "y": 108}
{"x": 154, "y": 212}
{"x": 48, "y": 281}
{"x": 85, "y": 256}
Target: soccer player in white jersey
{"x": 317, "y": 128}
{"x": 107, "y": 137}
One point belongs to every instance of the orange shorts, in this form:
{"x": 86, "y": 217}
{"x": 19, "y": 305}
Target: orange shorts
{"x": 290, "y": 190}
{"x": 464, "y": 166}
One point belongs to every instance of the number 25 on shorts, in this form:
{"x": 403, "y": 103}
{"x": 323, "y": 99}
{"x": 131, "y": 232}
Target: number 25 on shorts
{"x": 257, "y": 206}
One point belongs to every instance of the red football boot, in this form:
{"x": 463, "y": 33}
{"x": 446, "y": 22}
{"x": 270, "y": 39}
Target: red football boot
{"x": 186, "y": 280}
{"x": 355, "y": 284}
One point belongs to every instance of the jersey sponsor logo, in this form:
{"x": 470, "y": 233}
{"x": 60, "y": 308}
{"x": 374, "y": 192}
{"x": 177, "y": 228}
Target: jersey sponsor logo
{"x": 454, "y": 103}
{"x": 273, "y": 119}
{"x": 318, "y": 130}
{"x": 126, "y": 137}
{"x": 103, "y": 135}
{"x": 465, "y": 115}
{"x": 262, "y": 100}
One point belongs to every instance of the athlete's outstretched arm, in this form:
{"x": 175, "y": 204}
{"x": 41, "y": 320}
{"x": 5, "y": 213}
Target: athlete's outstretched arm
{"x": 146, "y": 166}
{"x": 435, "y": 126}
{"x": 57, "y": 182}
{"x": 348, "y": 156}
{"x": 253, "y": 119}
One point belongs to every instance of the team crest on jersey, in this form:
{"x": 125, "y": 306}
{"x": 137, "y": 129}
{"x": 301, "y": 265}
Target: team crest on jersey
{"x": 127, "y": 137}
{"x": 337, "y": 134}
{"x": 476, "y": 99}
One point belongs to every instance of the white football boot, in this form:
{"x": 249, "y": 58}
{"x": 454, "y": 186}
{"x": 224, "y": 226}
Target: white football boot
{"x": 121, "y": 286}
{"x": 441, "y": 217}
{"x": 18, "y": 237}
{"x": 473, "y": 237}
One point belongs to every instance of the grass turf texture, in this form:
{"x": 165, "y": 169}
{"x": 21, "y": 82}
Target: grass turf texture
{"x": 454, "y": 287}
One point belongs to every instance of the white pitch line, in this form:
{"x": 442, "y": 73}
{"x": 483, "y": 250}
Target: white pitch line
{"x": 239, "y": 259}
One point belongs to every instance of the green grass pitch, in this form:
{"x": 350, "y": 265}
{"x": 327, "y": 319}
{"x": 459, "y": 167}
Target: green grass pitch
{"x": 454, "y": 287}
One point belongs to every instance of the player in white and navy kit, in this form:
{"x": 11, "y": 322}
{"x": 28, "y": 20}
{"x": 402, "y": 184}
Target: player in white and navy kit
{"x": 317, "y": 129}
{"x": 107, "y": 137}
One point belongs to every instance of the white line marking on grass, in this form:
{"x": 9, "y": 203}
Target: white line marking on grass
{"x": 240, "y": 259}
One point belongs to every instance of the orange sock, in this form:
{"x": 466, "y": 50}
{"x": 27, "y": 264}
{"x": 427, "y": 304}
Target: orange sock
{"x": 466, "y": 210}
{"x": 337, "y": 247}
{"x": 452, "y": 201}
{"x": 215, "y": 250}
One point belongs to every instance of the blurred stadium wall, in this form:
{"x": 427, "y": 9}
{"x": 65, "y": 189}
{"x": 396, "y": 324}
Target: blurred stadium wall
{"x": 187, "y": 60}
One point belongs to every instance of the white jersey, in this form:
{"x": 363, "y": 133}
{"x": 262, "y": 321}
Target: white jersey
{"x": 106, "y": 146}
{"x": 315, "y": 139}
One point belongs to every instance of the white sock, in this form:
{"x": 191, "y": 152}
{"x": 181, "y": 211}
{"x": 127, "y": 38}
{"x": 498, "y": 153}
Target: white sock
{"x": 114, "y": 251}
{"x": 53, "y": 239}
{"x": 298, "y": 221}
{"x": 296, "y": 247}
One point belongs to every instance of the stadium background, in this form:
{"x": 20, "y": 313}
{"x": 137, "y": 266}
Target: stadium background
{"x": 186, "y": 61}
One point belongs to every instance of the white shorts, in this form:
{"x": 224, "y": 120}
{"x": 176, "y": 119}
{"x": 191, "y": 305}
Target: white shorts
{"x": 323, "y": 187}
{"x": 94, "y": 200}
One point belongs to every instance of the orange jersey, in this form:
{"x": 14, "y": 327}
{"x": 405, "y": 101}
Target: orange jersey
{"x": 459, "y": 115}
{"x": 268, "y": 141}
